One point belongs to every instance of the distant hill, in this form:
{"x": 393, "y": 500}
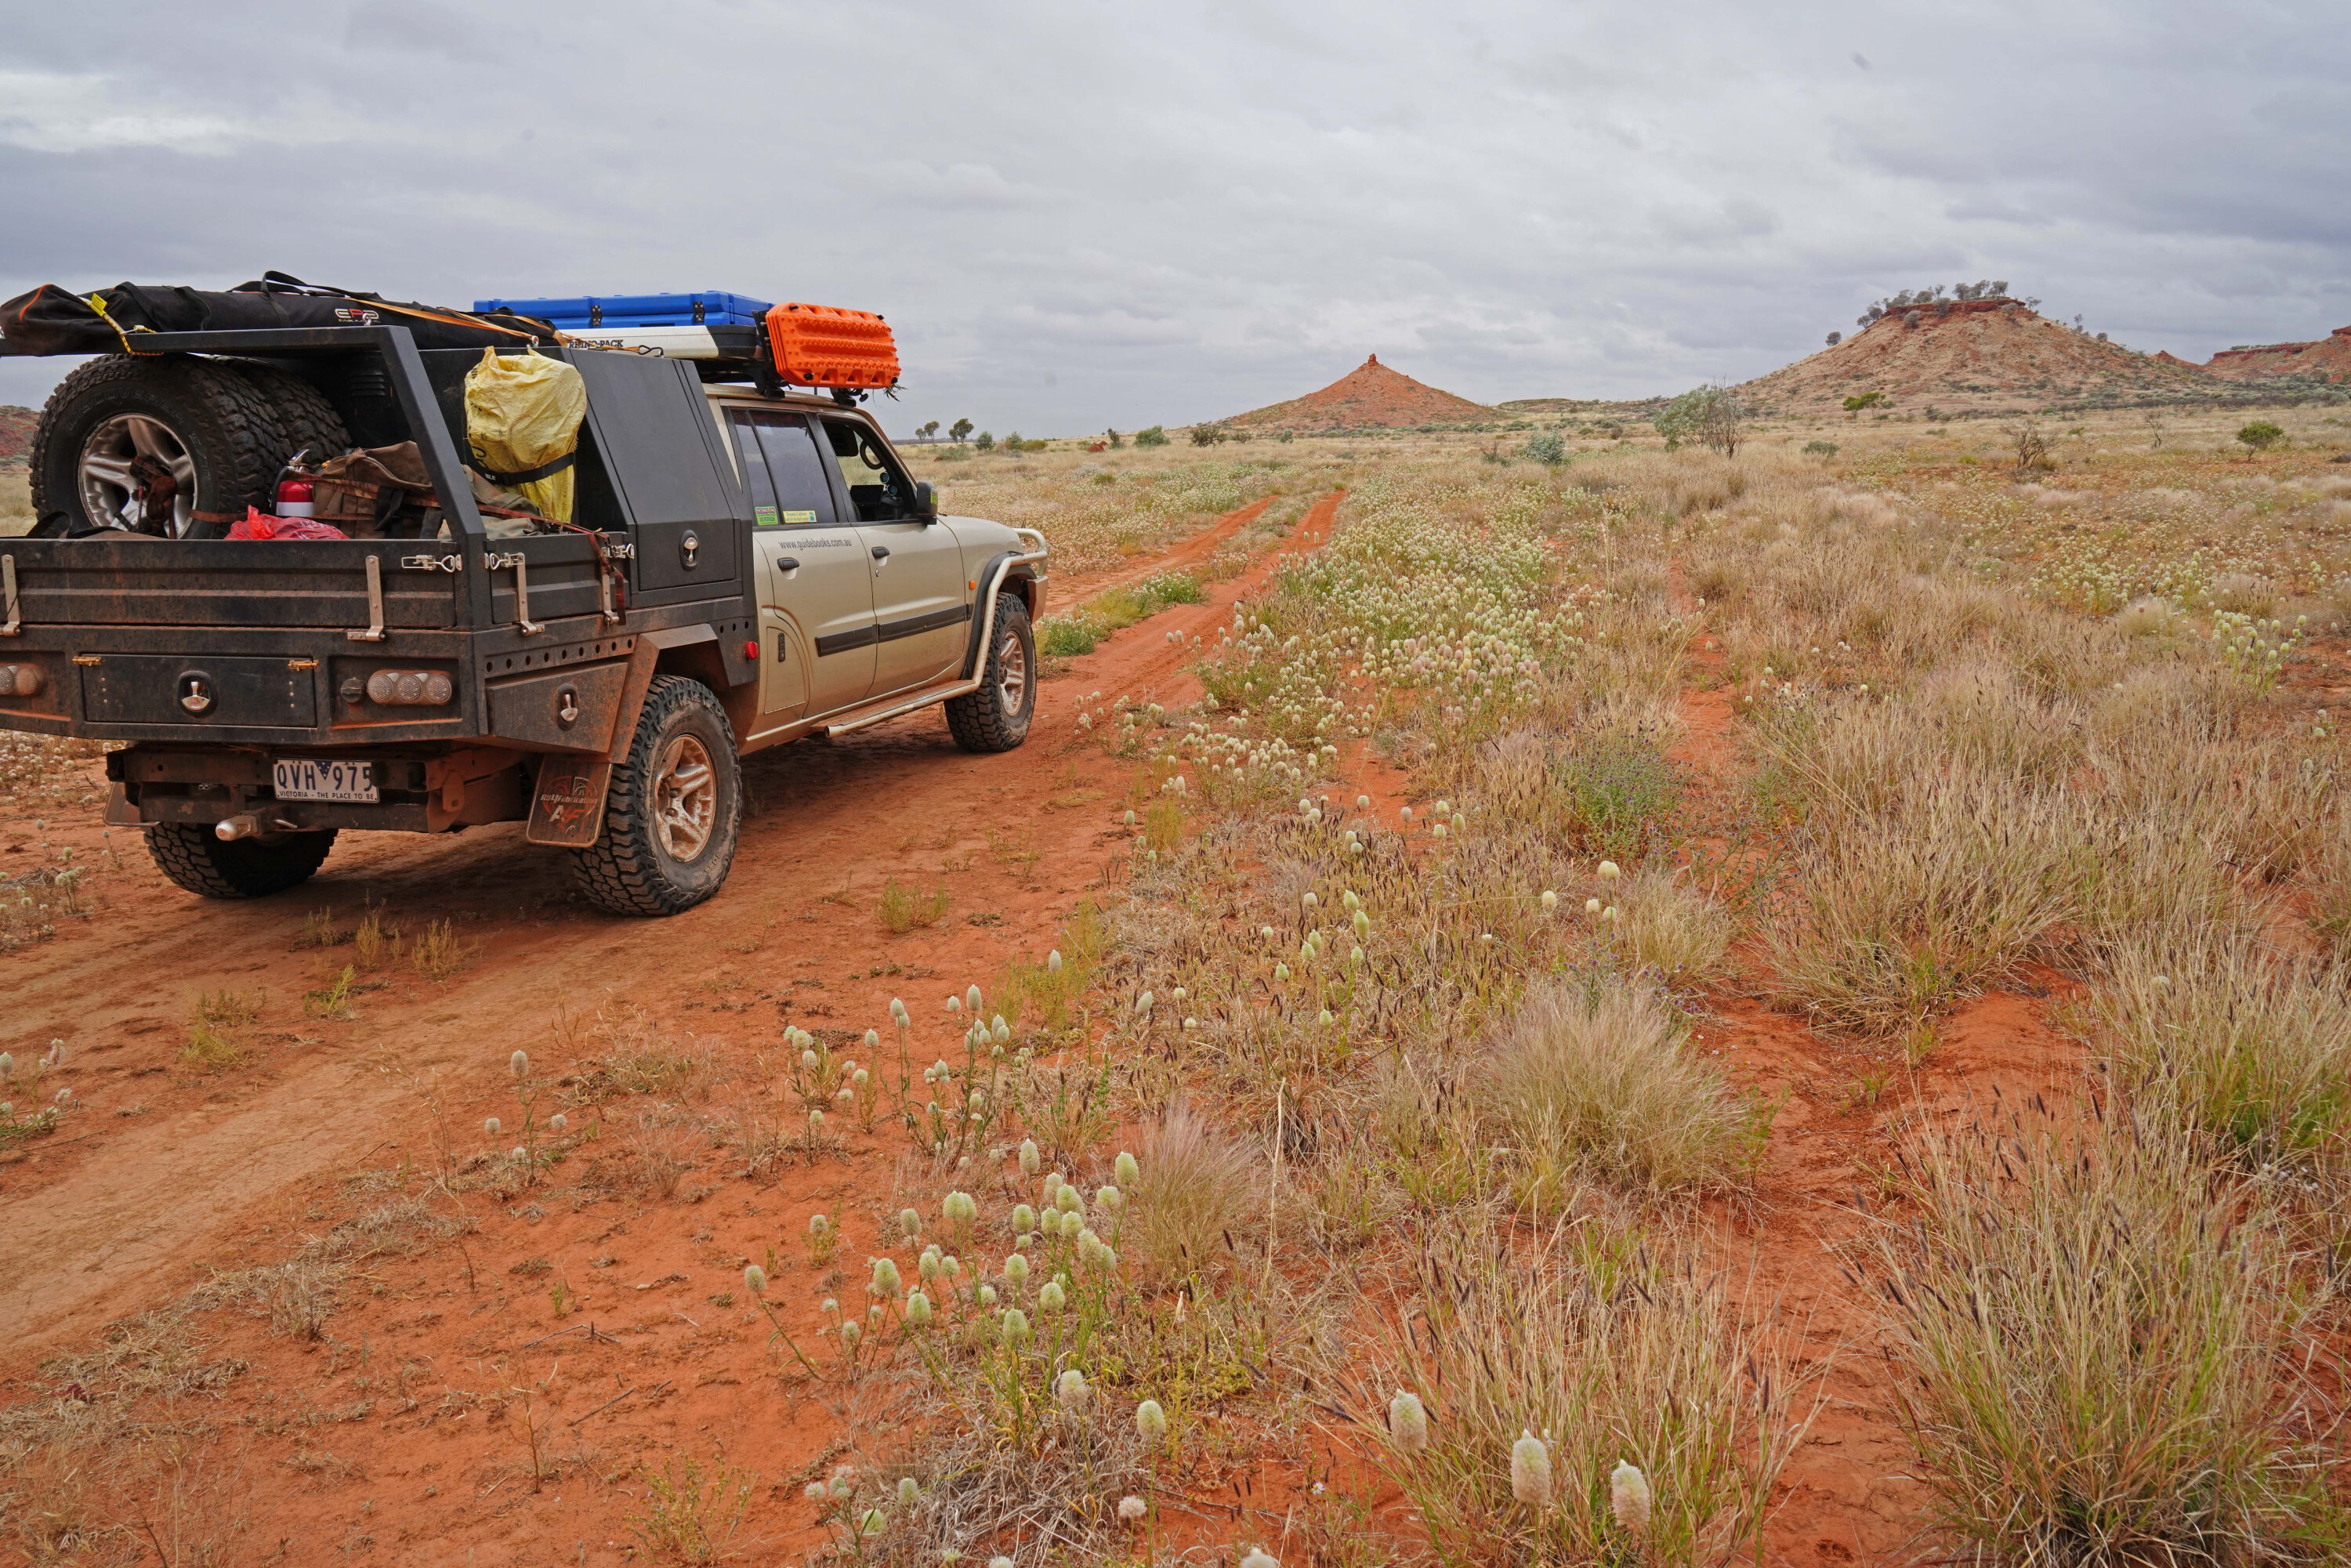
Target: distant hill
{"x": 17, "y": 431}
{"x": 1978, "y": 356}
{"x": 1370, "y": 396}
{"x": 2328, "y": 359}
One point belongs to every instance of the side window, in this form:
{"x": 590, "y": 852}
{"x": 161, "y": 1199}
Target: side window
{"x": 879, "y": 488}
{"x": 755, "y": 468}
{"x": 782, "y": 468}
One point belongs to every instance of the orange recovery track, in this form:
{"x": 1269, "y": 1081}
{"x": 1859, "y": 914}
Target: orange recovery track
{"x": 826, "y": 345}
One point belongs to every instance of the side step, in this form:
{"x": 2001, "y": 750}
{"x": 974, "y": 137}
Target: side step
{"x": 892, "y": 707}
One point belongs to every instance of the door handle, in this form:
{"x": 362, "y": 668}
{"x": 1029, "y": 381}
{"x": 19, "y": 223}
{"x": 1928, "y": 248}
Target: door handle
{"x": 788, "y": 563}
{"x": 881, "y": 552}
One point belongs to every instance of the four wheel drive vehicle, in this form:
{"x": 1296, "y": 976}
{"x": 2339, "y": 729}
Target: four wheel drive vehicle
{"x": 740, "y": 568}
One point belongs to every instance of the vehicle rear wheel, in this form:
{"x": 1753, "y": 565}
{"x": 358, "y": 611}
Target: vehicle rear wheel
{"x": 674, "y": 809}
{"x": 200, "y": 860}
{"x": 996, "y": 716}
{"x": 168, "y": 445}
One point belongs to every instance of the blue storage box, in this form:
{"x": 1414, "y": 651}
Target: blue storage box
{"x": 710, "y": 309}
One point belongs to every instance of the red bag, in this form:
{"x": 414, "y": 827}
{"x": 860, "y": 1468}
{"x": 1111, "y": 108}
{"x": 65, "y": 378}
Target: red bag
{"x": 260, "y": 525}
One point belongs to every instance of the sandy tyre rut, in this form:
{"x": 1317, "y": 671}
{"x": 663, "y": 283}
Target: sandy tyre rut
{"x": 995, "y": 718}
{"x": 197, "y": 859}
{"x": 674, "y": 809}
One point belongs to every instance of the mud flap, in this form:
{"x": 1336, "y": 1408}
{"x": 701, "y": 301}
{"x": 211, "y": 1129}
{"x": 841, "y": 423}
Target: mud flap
{"x": 567, "y": 806}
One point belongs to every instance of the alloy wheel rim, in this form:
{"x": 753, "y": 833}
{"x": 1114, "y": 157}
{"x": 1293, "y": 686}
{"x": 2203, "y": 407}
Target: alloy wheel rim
{"x": 109, "y": 491}
{"x": 686, "y": 799}
{"x": 1011, "y": 673}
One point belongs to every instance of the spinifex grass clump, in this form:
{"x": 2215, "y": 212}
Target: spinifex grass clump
{"x": 1577, "y": 1401}
{"x": 1891, "y": 920}
{"x": 2102, "y": 1355}
{"x": 1594, "y": 1082}
{"x": 2217, "y": 1035}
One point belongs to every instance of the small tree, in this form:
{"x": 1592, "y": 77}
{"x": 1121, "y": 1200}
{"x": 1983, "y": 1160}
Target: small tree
{"x": 928, "y": 430}
{"x": 2031, "y": 447}
{"x": 1115, "y": 442}
{"x": 959, "y": 430}
{"x": 1708, "y": 414}
{"x": 1154, "y": 437}
{"x": 1207, "y": 435}
{"x": 2260, "y": 436}
{"x": 1834, "y": 339}
{"x": 985, "y": 443}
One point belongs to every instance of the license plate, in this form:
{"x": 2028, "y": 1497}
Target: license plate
{"x": 310, "y": 778}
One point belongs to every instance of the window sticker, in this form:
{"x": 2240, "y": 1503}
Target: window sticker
{"x": 765, "y": 515}
{"x": 800, "y": 519}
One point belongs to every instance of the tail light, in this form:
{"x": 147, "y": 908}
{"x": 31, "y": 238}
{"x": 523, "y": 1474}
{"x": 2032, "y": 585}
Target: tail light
{"x": 20, "y": 680}
{"x": 409, "y": 688}
{"x": 297, "y": 498}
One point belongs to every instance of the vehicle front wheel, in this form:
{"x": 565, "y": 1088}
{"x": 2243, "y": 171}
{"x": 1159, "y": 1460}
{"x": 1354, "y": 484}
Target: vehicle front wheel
{"x": 200, "y": 860}
{"x": 674, "y": 809}
{"x": 996, "y": 716}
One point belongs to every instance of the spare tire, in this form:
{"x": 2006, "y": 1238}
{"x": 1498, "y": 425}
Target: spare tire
{"x": 168, "y": 445}
{"x": 307, "y": 422}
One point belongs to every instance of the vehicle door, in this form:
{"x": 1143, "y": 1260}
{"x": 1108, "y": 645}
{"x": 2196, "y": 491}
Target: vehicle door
{"x": 921, "y": 608}
{"x": 816, "y": 581}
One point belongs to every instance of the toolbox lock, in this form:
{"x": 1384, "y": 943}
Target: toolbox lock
{"x": 196, "y": 692}
{"x": 687, "y": 546}
{"x": 566, "y": 706}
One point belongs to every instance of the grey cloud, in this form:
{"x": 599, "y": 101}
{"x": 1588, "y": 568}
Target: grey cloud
{"x": 1181, "y": 211}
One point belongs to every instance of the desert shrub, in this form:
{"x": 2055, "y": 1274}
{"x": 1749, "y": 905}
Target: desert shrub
{"x": 1820, "y": 449}
{"x": 902, "y": 909}
{"x": 1860, "y": 400}
{"x": 1592, "y": 1081}
{"x": 1194, "y": 1189}
{"x": 1209, "y": 435}
{"x": 1707, "y": 415}
{"x": 2092, "y": 1343}
{"x": 2249, "y": 1050}
{"x": 1153, "y": 436}
{"x": 1617, "y": 1355}
{"x": 1620, "y": 793}
{"x": 1068, "y": 636}
{"x": 692, "y": 1513}
{"x": 986, "y": 441}
{"x": 2260, "y": 436}
{"x": 1547, "y": 447}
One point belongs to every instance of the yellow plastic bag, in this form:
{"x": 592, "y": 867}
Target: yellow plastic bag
{"x": 523, "y": 412}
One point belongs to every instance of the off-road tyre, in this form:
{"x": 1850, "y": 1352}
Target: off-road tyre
{"x": 307, "y": 422}
{"x": 230, "y": 428}
{"x": 632, "y": 868}
{"x": 995, "y": 718}
{"x": 199, "y": 860}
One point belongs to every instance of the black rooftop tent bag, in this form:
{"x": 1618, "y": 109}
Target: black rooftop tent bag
{"x": 52, "y": 320}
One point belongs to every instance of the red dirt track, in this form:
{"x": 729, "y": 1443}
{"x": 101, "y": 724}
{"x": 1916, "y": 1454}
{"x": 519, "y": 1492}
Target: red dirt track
{"x": 159, "y": 1173}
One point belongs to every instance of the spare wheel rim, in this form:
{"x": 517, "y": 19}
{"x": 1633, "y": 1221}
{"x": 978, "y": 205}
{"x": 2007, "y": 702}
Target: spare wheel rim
{"x": 686, "y": 799}
{"x": 1011, "y": 671}
{"x": 109, "y": 495}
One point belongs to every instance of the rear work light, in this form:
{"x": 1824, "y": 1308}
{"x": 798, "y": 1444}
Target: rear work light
{"x": 409, "y": 688}
{"x": 825, "y": 346}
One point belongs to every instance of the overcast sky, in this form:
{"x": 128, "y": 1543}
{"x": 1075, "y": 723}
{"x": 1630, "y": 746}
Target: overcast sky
{"x": 1082, "y": 214}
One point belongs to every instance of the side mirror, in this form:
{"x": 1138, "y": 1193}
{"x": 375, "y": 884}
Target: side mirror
{"x": 927, "y": 501}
